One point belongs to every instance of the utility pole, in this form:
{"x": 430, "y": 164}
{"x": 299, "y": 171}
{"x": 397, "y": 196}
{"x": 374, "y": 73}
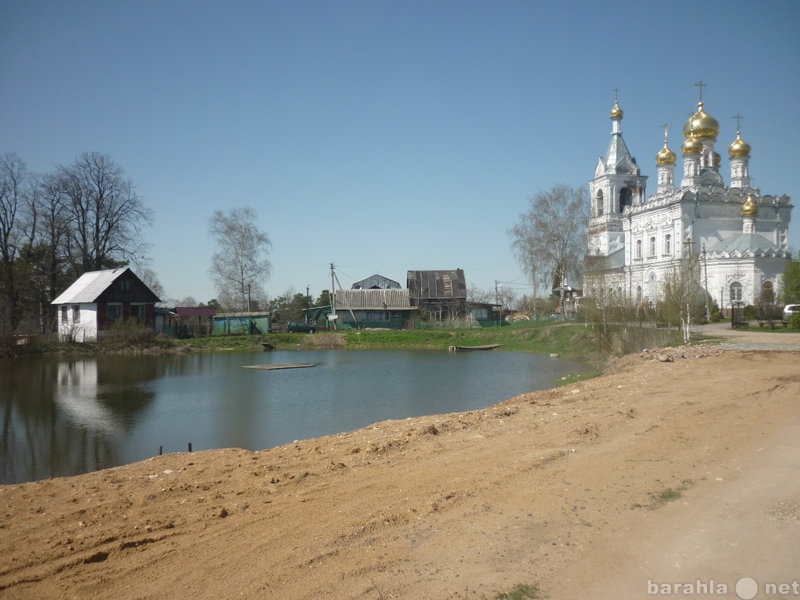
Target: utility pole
{"x": 333, "y": 296}
{"x": 497, "y": 302}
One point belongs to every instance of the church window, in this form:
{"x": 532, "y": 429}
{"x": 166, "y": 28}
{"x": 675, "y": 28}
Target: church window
{"x": 736, "y": 292}
{"x": 599, "y": 203}
{"x": 652, "y": 289}
{"x": 639, "y": 249}
{"x": 668, "y": 244}
{"x": 625, "y": 199}
{"x": 652, "y": 247}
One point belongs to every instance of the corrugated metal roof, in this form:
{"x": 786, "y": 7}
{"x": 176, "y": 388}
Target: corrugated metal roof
{"x": 88, "y": 287}
{"x": 372, "y": 299}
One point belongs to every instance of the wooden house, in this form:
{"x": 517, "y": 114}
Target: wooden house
{"x": 98, "y": 300}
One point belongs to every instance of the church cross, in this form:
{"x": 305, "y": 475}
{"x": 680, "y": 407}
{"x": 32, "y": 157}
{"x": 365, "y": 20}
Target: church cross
{"x": 616, "y": 94}
{"x": 666, "y": 132}
{"x": 701, "y": 85}
{"x": 738, "y": 118}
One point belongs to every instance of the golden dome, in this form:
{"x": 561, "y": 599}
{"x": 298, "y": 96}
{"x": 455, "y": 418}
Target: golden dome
{"x": 701, "y": 125}
{"x": 616, "y": 112}
{"x": 749, "y": 208}
{"x": 739, "y": 148}
{"x": 692, "y": 146}
{"x": 665, "y": 156}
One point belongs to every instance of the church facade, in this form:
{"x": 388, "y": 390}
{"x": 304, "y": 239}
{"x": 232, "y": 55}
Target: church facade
{"x": 738, "y": 235}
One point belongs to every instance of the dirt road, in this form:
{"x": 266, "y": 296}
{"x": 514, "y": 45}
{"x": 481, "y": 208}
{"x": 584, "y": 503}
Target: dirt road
{"x": 682, "y": 467}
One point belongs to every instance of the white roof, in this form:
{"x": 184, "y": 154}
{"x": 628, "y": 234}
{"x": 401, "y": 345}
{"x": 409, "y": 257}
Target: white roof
{"x": 88, "y": 287}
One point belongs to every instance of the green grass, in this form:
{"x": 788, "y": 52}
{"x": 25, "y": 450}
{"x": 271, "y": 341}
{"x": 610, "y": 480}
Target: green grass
{"x": 661, "y": 498}
{"x": 522, "y": 591}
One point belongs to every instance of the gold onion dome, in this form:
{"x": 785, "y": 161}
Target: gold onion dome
{"x": 665, "y": 156}
{"x": 616, "y": 112}
{"x": 701, "y": 125}
{"x": 739, "y": 148}
{"x": 749, "y": 208}
{"x": 692, "y": 146}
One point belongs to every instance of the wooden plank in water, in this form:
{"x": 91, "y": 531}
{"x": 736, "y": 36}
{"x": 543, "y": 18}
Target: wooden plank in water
{"x": 279, "y": 366}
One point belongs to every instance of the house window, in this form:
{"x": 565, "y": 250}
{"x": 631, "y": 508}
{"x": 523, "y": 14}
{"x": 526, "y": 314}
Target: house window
{"x": 652, "y": 247}
{"x": 113, "y": 312}
{"x": 668, "y": 244}
{"x": 64, "y": 315}
{"x": 76, "y": 314}
{"x": 638, "y": 249}
{"x": 139, "y": 312}
{"x": 125, "y": 285}
{"x": 736, "y": 292}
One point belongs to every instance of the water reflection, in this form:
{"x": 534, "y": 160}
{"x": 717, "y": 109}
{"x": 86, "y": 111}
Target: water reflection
{"x": 73, "y": 416}
{"x": 65, "y": 417}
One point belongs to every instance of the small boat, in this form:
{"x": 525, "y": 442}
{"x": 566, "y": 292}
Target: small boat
{"x": 472, "y": 348}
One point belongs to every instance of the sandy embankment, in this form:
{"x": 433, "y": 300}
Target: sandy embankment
{"x": 559, "y": 487}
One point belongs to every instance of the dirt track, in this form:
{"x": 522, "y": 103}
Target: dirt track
{"x": 659, "y": 472}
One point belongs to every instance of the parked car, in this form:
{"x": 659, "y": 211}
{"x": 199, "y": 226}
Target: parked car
{"x": 789, "y": 310}
{"x": 300, "y": 328}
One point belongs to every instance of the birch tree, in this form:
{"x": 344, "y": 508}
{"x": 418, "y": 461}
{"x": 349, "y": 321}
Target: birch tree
{"x": 240, "y": 266}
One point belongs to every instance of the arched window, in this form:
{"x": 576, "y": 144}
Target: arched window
{"x": 652, "y": 247}
{"x": 625, "y": 198}
{"x": 736, "y": 292}
{"x": 639, "y": 249}
{"x": 668, "y": 244}
{"x": 599, "y": 203}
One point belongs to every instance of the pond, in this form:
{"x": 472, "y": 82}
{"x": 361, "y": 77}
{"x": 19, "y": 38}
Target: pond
{"x": 70, "y": 416}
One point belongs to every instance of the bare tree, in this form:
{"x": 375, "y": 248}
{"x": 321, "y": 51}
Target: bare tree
{"x": 105, "y": 214}
{"x": 241, "y": 262}
{"x": 550, "y": 238}
{"x": 12, "y": 182}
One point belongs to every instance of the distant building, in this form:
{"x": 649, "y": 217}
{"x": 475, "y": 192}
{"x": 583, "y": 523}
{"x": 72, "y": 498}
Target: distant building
{"x": 376, "y": 282}
{"x": 99, "y": 299}
{"x": 739, "y": 234}
{"x": 441, "y": 294}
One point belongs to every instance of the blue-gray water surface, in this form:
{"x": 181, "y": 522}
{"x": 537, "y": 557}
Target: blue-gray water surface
{"x": 64, "y": 417}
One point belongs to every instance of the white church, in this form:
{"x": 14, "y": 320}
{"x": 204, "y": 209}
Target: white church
{"x": 738, "y": 234}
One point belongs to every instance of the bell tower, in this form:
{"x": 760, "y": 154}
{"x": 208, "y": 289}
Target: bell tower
{"x": 617, "y": 187}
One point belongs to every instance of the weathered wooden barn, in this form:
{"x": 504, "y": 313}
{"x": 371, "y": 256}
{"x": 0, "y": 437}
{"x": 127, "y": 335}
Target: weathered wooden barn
{"x": 441, "y": 294}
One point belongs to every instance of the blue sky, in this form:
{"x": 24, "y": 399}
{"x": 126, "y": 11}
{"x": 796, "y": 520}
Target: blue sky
{"x": 383, "y": 136}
